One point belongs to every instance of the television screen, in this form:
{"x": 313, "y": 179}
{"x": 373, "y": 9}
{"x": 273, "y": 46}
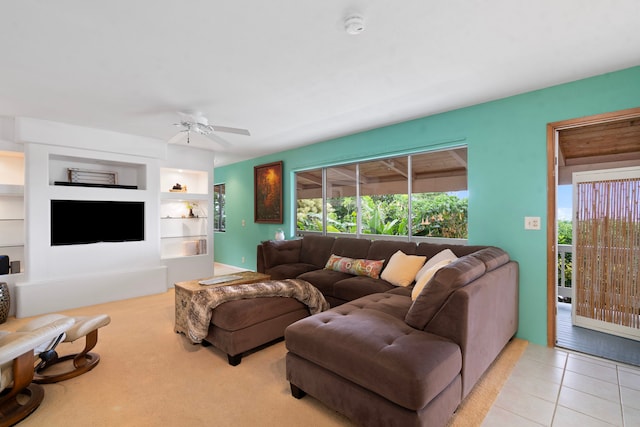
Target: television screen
{"x": 75, "y": 222}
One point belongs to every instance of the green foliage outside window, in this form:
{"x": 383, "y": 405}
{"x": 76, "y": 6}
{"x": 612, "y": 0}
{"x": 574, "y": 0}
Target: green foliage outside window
{"x": 434, "y": 215}
{"x": 219, "y": 198}
{"x": 565, "y": 236}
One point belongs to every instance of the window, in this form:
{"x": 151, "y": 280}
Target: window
{"x": 218, "y": 207}
{"x": 384, "y": 190}
{"x": 421, "y": 195}
{"x": 341, "y": 203}
{"x": 309, "y": 212}
{"x": 439, "y": 197}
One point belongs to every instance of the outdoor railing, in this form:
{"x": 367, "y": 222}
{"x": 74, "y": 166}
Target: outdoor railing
{"x": 565, "y": 253}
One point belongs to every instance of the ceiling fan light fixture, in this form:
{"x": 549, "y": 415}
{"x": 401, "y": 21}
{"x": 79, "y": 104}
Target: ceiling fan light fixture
{"x": 354, "y": 24}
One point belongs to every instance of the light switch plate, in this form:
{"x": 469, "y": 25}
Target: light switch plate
{"x": 532, "y": 223}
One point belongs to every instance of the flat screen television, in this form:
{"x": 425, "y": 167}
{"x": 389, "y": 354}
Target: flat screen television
{"x": 77, "y": 222}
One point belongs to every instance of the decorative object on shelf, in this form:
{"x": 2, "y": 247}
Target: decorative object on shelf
{"x": 191, "y": 206}
{"x": 194, "y": 247}
{"x": 267, "y": 191}
{"x": 178, "y": 188}
{"x": 279, "y": 234}
{"x": 5, "y": 302}
{"x": 87, "y": 176}
{"x": 14, "y": 266}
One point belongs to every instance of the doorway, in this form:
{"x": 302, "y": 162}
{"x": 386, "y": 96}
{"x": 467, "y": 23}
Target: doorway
{"x": 604, "y": 141}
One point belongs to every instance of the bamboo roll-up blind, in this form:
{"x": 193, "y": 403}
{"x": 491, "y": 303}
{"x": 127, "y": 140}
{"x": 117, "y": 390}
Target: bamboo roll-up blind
{"x": 608, "y": 251}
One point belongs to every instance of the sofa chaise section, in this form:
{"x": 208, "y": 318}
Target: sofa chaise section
{"x": 386, "y": 359}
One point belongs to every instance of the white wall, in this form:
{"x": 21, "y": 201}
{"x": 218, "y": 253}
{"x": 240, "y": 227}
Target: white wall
{"x": 61, "y": 277}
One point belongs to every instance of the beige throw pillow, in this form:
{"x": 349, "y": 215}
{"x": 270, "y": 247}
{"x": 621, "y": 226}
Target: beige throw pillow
{"x": 402, "y": 268}
{"x": 426, "y": 276}
{"x": 442, "y": 255}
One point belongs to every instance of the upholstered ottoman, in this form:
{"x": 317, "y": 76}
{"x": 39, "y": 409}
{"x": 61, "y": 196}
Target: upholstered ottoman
{"x": 242, "y": 325}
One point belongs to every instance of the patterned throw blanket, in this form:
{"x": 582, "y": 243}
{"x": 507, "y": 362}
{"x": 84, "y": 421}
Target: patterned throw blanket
{"x": 203, "y": 303}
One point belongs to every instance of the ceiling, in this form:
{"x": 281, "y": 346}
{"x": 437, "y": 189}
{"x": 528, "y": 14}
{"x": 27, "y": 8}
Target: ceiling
{"x": 603, "y": 145}
{"x": 286, "y": 69}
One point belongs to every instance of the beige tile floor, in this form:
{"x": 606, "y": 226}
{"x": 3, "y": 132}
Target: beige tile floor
{"x": 555, "y": 387}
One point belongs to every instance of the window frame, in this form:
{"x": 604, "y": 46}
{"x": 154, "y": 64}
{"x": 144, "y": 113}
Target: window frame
{"x": 452, "y": 150}
{"x": 219, "y": 208}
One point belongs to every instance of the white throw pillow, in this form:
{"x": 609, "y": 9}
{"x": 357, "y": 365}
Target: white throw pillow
{"x": 426, "y": 276}
{"x": 402, "y": 268}
{"x": 442, "y": 255}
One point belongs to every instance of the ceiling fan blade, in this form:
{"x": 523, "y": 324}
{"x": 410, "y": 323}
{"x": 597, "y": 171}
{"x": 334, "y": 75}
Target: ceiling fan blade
{"x": 219, "y": 140}
{"x": 231, "y": 130}
{"x": 176, "y": 138}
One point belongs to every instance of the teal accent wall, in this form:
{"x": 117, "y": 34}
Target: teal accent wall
{"x": 507, "y": 174}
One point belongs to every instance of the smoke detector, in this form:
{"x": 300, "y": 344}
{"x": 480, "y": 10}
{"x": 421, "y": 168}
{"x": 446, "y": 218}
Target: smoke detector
{"x": 354, "y": 24}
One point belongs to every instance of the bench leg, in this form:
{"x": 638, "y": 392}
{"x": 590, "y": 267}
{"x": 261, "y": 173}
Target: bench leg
{"x": 234, "y": 360}
{"x": 297, "y": 392}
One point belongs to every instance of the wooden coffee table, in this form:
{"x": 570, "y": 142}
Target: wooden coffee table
{"x": 185, "y": 290}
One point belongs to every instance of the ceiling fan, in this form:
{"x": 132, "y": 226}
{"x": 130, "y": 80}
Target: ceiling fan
{"x": 197, "y": 123}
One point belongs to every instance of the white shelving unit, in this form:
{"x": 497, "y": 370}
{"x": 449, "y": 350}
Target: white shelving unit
{"x": 183, "y": 226}
{"x": 12, "y": 230}
{"x": 87, "y": 171}
{"x": 12, "y": 222}
{"x": 186, "y": 236}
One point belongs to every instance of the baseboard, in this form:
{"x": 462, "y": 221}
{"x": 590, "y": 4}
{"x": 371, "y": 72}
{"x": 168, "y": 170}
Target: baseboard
{"x": 34, "y": 298}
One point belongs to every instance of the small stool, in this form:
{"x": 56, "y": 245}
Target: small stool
{"x": 247, "y": 324}
{"x": 84, "y": 361}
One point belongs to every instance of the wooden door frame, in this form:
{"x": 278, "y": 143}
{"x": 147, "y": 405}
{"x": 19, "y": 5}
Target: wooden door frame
{"x": 552, "y": 154}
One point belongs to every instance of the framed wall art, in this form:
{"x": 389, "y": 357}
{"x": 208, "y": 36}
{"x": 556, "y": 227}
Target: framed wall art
{"x": 267, "y": 191}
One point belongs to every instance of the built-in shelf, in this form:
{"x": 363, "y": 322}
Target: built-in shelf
{"x": 184, "y": 196}
{"x": 63, "y": 170}
{"x": 184, "y": 226}
{"x": 195, "y": 182}
{"x": 8, "y": 190}
{"x": 88, "y": 184}
{"x": 184, "y": 217}
{"x": 12, "y": 232}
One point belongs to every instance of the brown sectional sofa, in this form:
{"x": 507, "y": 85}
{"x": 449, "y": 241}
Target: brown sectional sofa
{"x": 378, "y": 356}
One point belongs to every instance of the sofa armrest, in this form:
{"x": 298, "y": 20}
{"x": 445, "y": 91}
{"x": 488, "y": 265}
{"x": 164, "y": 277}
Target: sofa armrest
{"x": 481, "y": 318}
{"x": 260, "y": 259}
{"x": 277, "y": 252}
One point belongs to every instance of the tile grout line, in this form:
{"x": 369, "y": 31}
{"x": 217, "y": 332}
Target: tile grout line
{"x": 564, "y": 371}
{"x": 620, "y": 394}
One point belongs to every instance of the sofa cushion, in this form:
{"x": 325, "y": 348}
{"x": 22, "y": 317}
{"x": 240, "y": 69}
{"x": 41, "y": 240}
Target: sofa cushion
{"x": 324, "y": 280}
{"x": 425, "y": 277}
{"x": 367, "y": 267}
{"x": 351, "y": 247}
{"x": 281, "y": 252}
{"x": 359, "y": 286}
{"x": 446, "y": 254}
{"x": 402, "y": 268}
{"x": 384, "y": 249}
{"x": 446, "y": 280}
{"x": 316, "y": 250}
{"x": 339, "y": 263}
{"x": 406, "y": 366}
{"x": 358, "y": 267}
{"x": 289, "y": 271}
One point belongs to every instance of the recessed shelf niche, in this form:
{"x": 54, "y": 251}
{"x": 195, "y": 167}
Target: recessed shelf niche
{"x": 12, "y": 229}
{"x": 87, "y": 172}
